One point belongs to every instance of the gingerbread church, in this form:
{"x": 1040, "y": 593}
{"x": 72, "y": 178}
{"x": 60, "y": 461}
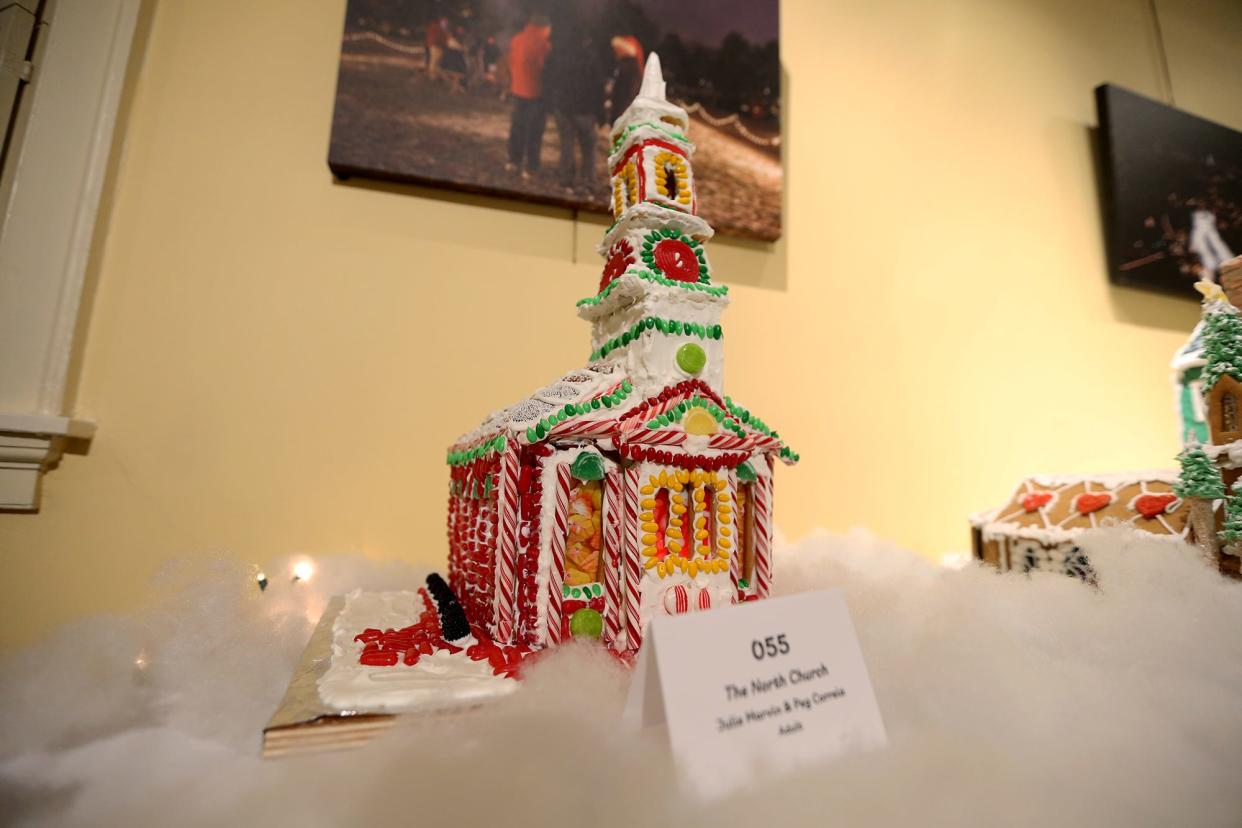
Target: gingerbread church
{"x": 633, "y": 486}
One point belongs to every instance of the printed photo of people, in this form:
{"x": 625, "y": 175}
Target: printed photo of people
{"x": 1172, "y": 192}
{"x": 515, "y": 97}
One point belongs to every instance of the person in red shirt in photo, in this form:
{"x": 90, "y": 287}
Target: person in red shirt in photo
{"x": 527, "y": 51}
{"x": 437, "y": 40}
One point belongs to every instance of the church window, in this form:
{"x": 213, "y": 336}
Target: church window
{"x": 1228, "y": 412}
{"x": 583, "y": 552}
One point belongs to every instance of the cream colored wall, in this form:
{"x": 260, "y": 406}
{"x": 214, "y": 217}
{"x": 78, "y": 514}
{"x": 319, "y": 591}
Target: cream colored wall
{"x": 277, "y": 362}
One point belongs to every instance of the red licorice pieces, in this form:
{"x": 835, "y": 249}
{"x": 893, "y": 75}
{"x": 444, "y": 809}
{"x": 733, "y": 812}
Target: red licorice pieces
{"x": 505, "y": 661}
{"x": 384, "y": 648}
{"x": 472, "y": 531}
{"x": 530, "y": 499}
{"x": 724, "y": 460}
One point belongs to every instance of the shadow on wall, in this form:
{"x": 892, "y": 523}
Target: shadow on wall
{"x": 458, "y": 226}
{"x": 103, "y": 216}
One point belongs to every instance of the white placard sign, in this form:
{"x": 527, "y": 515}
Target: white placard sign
{"x": 771, "y": 684}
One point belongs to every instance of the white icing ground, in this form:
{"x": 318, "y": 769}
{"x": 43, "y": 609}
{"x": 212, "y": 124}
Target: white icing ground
{"x": 439, "y": 680}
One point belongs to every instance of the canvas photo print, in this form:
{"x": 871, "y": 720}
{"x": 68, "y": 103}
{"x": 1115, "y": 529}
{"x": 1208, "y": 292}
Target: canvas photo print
{"x": 514, "y": 98}
{"x": 1172, "y": 192}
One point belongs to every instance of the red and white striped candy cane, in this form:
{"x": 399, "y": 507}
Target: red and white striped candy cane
{"x": 556, "y": 544}
{"x": 612, "y": 557}
{"x": 630, "y": 558}
{"x": 506, "y": 541}
{"x": 765, "y": 443}
{"x": 729, "y": 441}
{"x": 648, "y": 437}
{"x": 579, "y": 428}
{"x": 762, "y": 501}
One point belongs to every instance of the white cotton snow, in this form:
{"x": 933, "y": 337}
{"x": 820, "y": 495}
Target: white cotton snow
{"x": 1008, "y": 701}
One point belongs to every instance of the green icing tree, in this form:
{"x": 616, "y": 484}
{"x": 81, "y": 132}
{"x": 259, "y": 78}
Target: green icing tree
{"x": 1233, "y": 517}
{"x": 1199, "y": 477}
{"x": 1222, "y": 345}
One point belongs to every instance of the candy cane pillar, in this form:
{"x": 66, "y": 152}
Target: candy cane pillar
{"x": 613, "y": 514}
{"x": 556, "y": 545}
{"x": 506, "y": 542}
{"x": 763, "y": 534}
{"x": 631, "y": 569}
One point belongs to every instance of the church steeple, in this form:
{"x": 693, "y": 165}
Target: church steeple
{"x": 650, "y": 162}
{"x": 656, "y": 289}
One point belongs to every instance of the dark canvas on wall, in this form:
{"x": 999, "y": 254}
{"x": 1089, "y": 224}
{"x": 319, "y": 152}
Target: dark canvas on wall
{"x": 1172, "y": 192}
{"x": 425, "y": 96}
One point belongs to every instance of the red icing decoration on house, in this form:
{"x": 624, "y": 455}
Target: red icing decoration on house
{"x": 676, "y": 260}
{"x": 620, "y": 257}
{"x": 1151, "y": 505}
{"x": 384, "y": 648}
{"x": 1092, "y": 502}
{"x": 1036, "y": 500}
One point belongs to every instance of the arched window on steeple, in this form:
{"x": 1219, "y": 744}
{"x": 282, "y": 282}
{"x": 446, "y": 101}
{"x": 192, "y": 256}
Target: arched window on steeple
{"x": 670, "y": 177}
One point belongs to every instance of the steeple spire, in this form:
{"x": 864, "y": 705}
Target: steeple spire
{"x": 653, "y": 80}
{"x": 657, "y": 313}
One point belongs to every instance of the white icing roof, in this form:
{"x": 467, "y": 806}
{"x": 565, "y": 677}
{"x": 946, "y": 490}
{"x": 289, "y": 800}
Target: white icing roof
{"x": 575, "y": 387}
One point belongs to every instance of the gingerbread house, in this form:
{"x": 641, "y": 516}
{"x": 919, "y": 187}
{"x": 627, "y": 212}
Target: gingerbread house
{"x": 632, "y": 486}
{"x": 1038, "y": 527}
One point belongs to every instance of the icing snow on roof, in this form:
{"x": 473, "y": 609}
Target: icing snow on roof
{"x": 1191, "y": 355}
{"x": 578, "y": 386}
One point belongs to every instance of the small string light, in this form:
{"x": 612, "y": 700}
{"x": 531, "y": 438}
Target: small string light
{"x": 140, "y": 661}
{"x": 303, "y": 570}
{"x": 261, "y": 580}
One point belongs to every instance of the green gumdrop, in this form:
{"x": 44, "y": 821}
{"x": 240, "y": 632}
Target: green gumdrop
{"x": 586, "y": 623}
{"x": 691, "y": 358}
{"x": 746, "y": 474}
{"x": 588, "y": 466}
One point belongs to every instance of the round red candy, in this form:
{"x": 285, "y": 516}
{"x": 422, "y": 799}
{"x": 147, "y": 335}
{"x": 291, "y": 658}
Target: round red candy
{"x": 676, "y": 260}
